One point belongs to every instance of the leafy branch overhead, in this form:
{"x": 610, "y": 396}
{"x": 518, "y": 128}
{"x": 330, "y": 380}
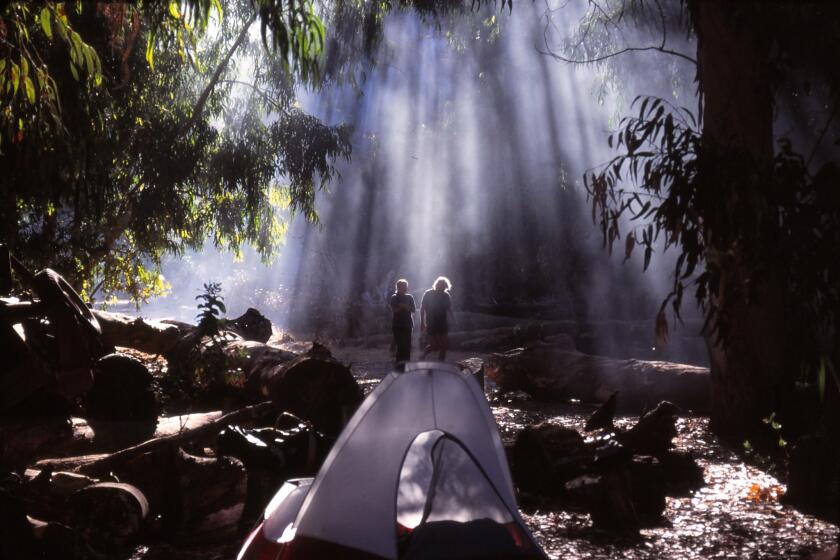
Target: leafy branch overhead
{"x": 121, "y": 179}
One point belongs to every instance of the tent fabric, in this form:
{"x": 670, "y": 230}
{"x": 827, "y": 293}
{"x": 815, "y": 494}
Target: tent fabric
{"x": 432, "y": 406}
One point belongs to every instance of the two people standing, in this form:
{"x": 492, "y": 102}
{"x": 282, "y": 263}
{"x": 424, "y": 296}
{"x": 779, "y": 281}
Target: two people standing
{"x": 435, "y": 317}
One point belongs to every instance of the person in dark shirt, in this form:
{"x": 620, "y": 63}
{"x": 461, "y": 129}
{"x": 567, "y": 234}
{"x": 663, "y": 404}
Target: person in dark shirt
{"x": 435, "y": 316}
{"x": 403, "y": 308}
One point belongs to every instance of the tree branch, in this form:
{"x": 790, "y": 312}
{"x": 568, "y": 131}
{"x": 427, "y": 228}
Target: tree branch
{"x": 660, "y": 48}
{"x": 562, "y": 58}
{"x": 214, "y": 79}
{"x": 261, "y": 93}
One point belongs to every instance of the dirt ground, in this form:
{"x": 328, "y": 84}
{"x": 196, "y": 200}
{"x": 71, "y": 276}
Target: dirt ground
{"x": 736, "y": 515}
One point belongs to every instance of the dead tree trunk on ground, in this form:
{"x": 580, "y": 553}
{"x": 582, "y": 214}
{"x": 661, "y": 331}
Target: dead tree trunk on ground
{"x": 550, "y": 372}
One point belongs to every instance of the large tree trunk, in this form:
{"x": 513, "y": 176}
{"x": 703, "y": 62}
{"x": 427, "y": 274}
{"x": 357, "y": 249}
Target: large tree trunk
{"x": 747, "y": 370}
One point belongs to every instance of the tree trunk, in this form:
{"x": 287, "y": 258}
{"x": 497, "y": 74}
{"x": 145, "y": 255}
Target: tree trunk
{"x": 737, "y": 98}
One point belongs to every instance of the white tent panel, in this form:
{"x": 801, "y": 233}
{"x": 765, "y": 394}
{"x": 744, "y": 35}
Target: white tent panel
{"x": 354, "y": 497}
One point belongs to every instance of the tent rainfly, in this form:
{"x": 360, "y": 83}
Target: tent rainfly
{"x": 418, "y": 472}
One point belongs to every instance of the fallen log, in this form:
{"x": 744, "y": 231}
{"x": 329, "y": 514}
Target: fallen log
{"x": 225, "y": 365}
{"x": 251, "y": 325}
{"x": 152, "y": 337}
{"x": 110, "y": 462}
{"x": 78, "y": 438}
{"x": 23, "y": 439}
{"x": 107, "y": 514}
{"x": 554, "y": 373}
{"x": 122, "y": 391}
{"x": 211, "y": 496}
{"x": 314, "y": 386}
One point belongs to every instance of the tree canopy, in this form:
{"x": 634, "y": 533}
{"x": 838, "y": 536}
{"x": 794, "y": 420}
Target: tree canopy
{"x": 133, "y": 130}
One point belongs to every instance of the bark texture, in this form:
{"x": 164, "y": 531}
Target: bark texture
{"x": 550, "y": 372}
{"x": 748, "y": 369}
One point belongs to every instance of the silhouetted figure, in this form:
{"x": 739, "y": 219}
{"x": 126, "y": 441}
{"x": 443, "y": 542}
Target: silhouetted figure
{"x": 403, "y": 308}
{"x": 435, "y": 313}
{"x": 603, "y": 417}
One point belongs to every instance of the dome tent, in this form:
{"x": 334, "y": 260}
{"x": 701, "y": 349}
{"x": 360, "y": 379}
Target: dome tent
{"x": 418, "y": 472}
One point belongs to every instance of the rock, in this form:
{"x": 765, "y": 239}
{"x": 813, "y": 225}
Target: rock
{"x": 654, "y": 431}
{"x": 108, "y": 514}
{"x": 545, "y": 456}
{"x": 475, "y": 366}
{"x": 251, "y": 325}
{"x": 681, "y": 472}
{"x": 605, "y": 497}
{"x": 622, "y": 499}
{"x": 646, "y": 487}
{"x": 603, "y": 417}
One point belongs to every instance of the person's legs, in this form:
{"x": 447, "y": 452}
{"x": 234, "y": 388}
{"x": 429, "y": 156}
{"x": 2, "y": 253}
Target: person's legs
{"x": 393, "y": 348}
{"x": 430, "y": 344}
{"x": 403, "y": 340}
{"x": 437, "y": 342}
{"x": 443, "y": 344}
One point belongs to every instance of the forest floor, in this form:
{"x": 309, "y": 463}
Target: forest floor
{"x": 737, "y": 514}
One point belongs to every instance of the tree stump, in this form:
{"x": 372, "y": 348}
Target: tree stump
{"x": 654, "y": 431}
{"x": 108, "y": 514}
{"x": 122, "y": 391}
{"x": 314, "y": 386}
{"x": 545, "y": 456}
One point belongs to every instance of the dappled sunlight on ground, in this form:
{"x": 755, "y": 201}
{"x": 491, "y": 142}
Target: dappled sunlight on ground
{"x": 736, "y": 515}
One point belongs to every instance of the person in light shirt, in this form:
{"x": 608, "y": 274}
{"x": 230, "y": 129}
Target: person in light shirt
{"x": 403, "y": 308}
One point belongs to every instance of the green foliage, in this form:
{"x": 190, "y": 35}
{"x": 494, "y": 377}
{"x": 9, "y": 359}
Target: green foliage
{"x": 211, "y": 306}
{"x": 30, "y": 34}
{"x": 218, "y": 371}
{"x": 158, "y": 149}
